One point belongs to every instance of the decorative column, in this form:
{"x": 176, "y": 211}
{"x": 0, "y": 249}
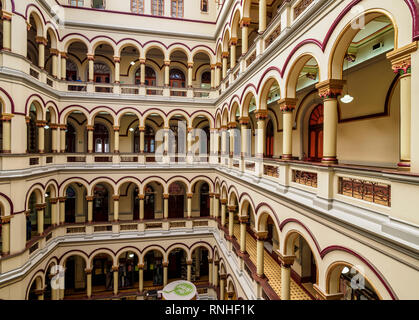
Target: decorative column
{"x": 165, "y": 273}
{"x": 54, "y": 63}
{"x": 243, "y": 223}
{"x": 88, "y": 282}
{"x": 63, "y": 129}
{"x": 190, "y": 74}
{"x": 244, "y": 25}
{"x": 142, "y": 134}
{"x": 55, "y": 292}
{"x": 224, "y": 141}
{"x": 166, "y": 205}
{"x": 142, "y": 71}
{"x": 141, "y": 198}
{"x": 141, "y": 277}
{"x": 402, "y": 65}
{"x": 216, "y": 205}
{"x": 262, "y": 16}
{"x": 225, "y": 61}
{"x": 232, "y": 126}
{"x": 286, "y": 263}
{"x": 63, "y": 65}
{"x": 5, "y": 234}
{"x": 189, "y": 204}
{"x": 91, "y": 59}
{"x": 330, "y": 90}
{"x": 90, "y": 130}
{"x": 7, "y": 30}
{"x": 166, "y": 73}
{"x": 40, "y": 124}
{"x": 230, "y": 295}
{"x": 218, "y": 67}
{"x": 216, "y": 145}
{"x": 116, "y": 132}
{"x": 115, "y": 279}
{"x": 54, "y": 137}
{"x": 54, "y": 211}
{"x": 166, "y": 141}
{"x": 244, "y": 122}
{"x": 223, "y": 211}
{"x": 62, "y": 209}
{"x": 210, "y": 271}
{"x": 215, "y": 273}
{"x": 211, "y": 198}
{"x": 89, "y": 200}
{"x": 231, "y": 212}
{"x": 261, "y": 117}
{"x": 39, "y": 291}
{"x": 223, "y": 278}
{"x": 189, "y": 270}
{"x": 115, "y": 199}
{"x": 40, "y": 209}
{"x": 6, "y": 121}
{"x": 213, "y": 67}
{"x": 260, "y": 250}
{"x": 287, "y": 107}
{"x": 233, "y": 44}
{"x": 189, "y": 141}
{"x": 117, "y": 61}
{"x": 42, "y": 43}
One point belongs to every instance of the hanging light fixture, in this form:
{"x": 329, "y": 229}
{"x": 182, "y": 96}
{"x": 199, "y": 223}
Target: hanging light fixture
{"x": 345, "y": 270}
{"x": 347, "y": 98}
{"x": 46, "y": 127}
{"x": 131, "y": 129}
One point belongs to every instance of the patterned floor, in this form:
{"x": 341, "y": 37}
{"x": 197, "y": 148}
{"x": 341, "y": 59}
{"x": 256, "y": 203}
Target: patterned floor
{"x": 272, "y": 268}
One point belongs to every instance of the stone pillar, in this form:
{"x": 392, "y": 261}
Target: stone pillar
{"x": 262, "y": 16}
{"x": 287, "y": 107}
{"x": 141, "y": 277}
{"x": 54, "y": 136}
{"x": 166, "y": 206}
{"x": 244, "y": 25}
{"x": 225, "y": 57}
{"x": 115, "y": 279}
{"x": 54, "y": 211}
{"x": 90, "y": 130}
{"x": 141, "y": 198}
{"x": 6, "y": 121}
{"x": 39, "y": 289}
{"x": 91, "y": 59}
{"x": 213, "y": 67}
{"x": 88, "y": 282}
{"x": 116, "y": 132}
{"x": 54, "y": 53}
{"x": 223, "y": 278}
{"x": 189, "y": 204}
{"x": 7, "y": 30}
{"x": 142, "y": 71}
{"x": 189, "y": 270}
{"x": 62, "y": 209}
{"x": 63, "y": 66}
{"x": 115, "y": 199}
{"x": 218, "y": 66}
{"x": 286, "y": 263}
{"x": 215, "y": 273}
{"x": 189, "y": 141}
{"x": 402, "y": 64}
{"x": 63, "y": 129}
{"x": 211, "y": 198}
{"x": 210, "y": 271}
{"x": 40, "y": 124}
{"x": 232, "y": 126}
{"x": 216, "y": 205}
{"x": 5, "y": 234}
{"x": 166, "y": 73}
{"x": 233, "y": 56}
{"x": 260, "y": 250}
{"x": 190, "y": 74}
{"x": 165, "y": 273}
{"x": 223, "y": 211}
{"x": 40, "y": 210}
{"x": 329, "y": 90}
{"x": 42, "y": 42}
{"x": 142, "y": 136}
{"x": 223, "y": 141}
{"x": 89, "y": 200}
{"x": 117, "y": 61}
{"x": 261, "y": 117}
{"x": 244, "y": 122}
{"x": 231, "y": 212}
{"x": 243, "y": 222}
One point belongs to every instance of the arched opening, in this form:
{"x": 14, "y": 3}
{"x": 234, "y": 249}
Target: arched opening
{"x": 102, "y": 73}
{"x": 202, "y": 138}
{"x": 76, "y": 61}
{"x": 32, "y": 45}
{"x": 177, "y": 193}
{"x": 153, "y": 269}
{"x": 200, "y": 268}
{"x": 270, "y": 139}
{"x": 177, "y": 268}
{"x": 49, "y": 117}
{"x": 36, "y": 289}
{"x": 32, "y": 130}
{"x": 178, "y": 138}
{"x": 70, "y": 138}
{"x": 128, "y": 276}
{"x": 128, "y": 58}
{"x": 75, "y": 277}
{"x": 101, "y": 138}
{"x": 101, "y": 203}
{"x": 76, "y": 133}
{"x": 315, "y": 134}
{"x": 153, "y": 194}
{"x": 129, "y": 208}
{"x": 70, "y": 205}
{"x": 102, "y": 273}
{"x": 177, "y": 80}
{"x": 75, "y": 203}
{"x": 32, "y": 227}
{"x": 204, "y": 200}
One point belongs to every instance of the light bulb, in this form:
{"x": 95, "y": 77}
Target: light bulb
{"x": 347, "y": 99}
{"x": 345, "y": 270}
{"x": 132, "y": 63}
{"x": 46, "y": 127}
{"x": 131, "y": 129}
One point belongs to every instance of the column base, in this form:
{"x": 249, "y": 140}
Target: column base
{"x": 404, "y": 165}
{"x": 330, "y": 160}
{"x": 287, "y": 157}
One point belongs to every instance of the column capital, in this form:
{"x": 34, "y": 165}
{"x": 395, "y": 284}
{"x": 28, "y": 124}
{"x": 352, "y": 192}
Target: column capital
{"x": 90, "y": 198}
{"x": 141, "y": 129}
{"x": 223, "y": 128}
{"x": 245, "y": 22}
{"x": 330, "y": 89}
{"x": 287, "y": 261}
{"x": 5, "y": 219}
{"x": 140, "y": 266}
{"x": 88, "y": 271}
{"x": 243, "y": 219}
{"x": 190, "y": 65}
{"x": 142, "y": 60}
{"x": 165, "y": 264}
{"x": 62, "y": 126}
{"x": 6, "y": 15}
{"x": 62, "y": 199}
{"x": 401, "y": 58}
{"x": 189, "y": 195}
{"x": 54, "y": 200}
{"x": 223, "y": 201}
{"x": 218, "y": 64}
{"x": 225, "y": 54}
{"x": 213, "y": 66}
{"x": 167, "y": 63}
{"x": 232, "y": 208}
{"x": 90, "y": 57}
{"x": 41, "y": 123}
{"x": 41, "y": 40}
{"x": 217, "y": 195}
{"x": 244, "y": 120}
{"x": 40, "y": 206}
{"x": 261, "y": 114}
{"x": 166, "y": 196}
{"x": 223, "y": 276}
{"x": 230, "y": 294}
{"x": 261, "y": 235}
{"x": 116, "y": 59}
{"x": 54, "y": 52}
{"x": 233, "y": 41}
{"x": 90, "y": 128}
{"x": 189, "y": 262}
{"x": 6, "y": 117}
{"x": 63, "y": 54}
{"x": 115, "y": 268}
{"x": 116, "y": 128}
{"x": 287, "y": 104}
{"x": 115, "y": 197}
{"x": 141, "y": 196}
{"x": 232, "y": 125}
{"x": 210, "y": 260}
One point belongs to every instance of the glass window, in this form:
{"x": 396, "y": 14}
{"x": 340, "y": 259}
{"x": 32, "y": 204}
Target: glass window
{"x": 98, "y": 4}
{"x": 204, "y": 5}
{"x": 157, "y": 7}
{"x": 177, "y": 8}
{"x": 137, "y": 6}
{"x": 77, "y": 3}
